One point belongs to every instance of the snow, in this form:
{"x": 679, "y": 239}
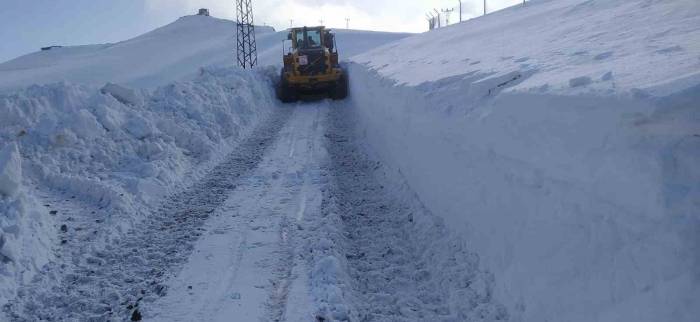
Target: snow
{"x": 560, "y": 141}
{"x": 95, "y": 137}
{"x": 536, "y": 164}
{"x": 640, "y": 43}
{"x": 122, "y": 94}
{"x": 391, "y": 258}
{"x": 288, "y": 245}
{"x": 118, "y": 157}
{"x": 249, "y": 265}
{"x": 24, "y": 237}
{"x": 10, "y": 170}
{"x": 171, "y": 53}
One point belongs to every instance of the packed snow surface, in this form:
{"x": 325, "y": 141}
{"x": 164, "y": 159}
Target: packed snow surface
{"x": 561, "y": 140}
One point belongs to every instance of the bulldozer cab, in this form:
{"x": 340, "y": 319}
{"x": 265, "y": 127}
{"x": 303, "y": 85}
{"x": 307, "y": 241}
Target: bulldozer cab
{"x": 311, "y": 38}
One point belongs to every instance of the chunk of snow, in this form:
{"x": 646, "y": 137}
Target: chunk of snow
{"x": 607, "y": 77}
{"x": 86, "y": 125}
{"x": 10, "y": 170}
{"x": 122, "y": 94}
{"x": 139, "y": 127}
{"x": 580, "y": 81}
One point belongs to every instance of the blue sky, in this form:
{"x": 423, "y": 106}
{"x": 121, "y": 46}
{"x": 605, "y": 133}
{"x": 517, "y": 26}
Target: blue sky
{"x": 27, "y": 25}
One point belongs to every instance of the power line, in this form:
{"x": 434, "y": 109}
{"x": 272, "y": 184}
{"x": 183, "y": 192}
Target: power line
{"x": 246, "y": 49}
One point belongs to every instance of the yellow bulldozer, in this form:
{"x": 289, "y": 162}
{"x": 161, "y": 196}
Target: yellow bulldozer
{"x": 311, "y": 66}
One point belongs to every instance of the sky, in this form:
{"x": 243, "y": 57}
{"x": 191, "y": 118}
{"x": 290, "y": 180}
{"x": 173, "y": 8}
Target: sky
{"x": 27, "y": 25}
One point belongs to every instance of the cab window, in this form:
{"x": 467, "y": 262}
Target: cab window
{"x": 299, "y": 38}
{"x": 314, "y": 38}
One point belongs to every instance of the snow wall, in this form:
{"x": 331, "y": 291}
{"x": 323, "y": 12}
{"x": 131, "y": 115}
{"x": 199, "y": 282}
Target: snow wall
{"x": 115, "y": 150}
{"x": 584, "y": 207}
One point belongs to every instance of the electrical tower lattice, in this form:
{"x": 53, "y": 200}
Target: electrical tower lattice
{"x": 246, "y": 50}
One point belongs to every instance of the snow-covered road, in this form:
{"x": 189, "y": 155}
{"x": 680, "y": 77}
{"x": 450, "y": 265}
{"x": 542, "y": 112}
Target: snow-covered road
{"x": 299, "y": 223}
{"x": 244, "y": 268}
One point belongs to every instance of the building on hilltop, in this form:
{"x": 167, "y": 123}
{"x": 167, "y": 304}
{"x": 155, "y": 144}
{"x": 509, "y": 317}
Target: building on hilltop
{"x": 203, "y": 12}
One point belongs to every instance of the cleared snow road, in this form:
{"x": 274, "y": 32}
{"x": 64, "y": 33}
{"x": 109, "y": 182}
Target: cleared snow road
{"x": 246, "y": 266}
{"x": 322, "y": 232}
{"x": 298, "y": 224}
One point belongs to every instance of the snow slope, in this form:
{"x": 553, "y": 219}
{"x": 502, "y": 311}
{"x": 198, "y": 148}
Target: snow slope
{"x": 170, "y": 53}
{"x": 562, "y": 141}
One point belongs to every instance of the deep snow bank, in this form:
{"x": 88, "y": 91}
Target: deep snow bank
{"x": 114, "y": 148}
{"x": 25, "y": 230}
{"x": 562, "y": 141}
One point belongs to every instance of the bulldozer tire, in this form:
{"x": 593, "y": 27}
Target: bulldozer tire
{"x": 285, "y": 93}
{"x": 340, "y": 90}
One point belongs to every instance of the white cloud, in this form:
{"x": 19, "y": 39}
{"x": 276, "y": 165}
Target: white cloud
{"x": 407, "y": 15}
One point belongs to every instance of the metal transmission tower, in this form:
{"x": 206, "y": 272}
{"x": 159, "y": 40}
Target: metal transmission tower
{"x": 447, "y": 13}
{"x": 246, "y": 49}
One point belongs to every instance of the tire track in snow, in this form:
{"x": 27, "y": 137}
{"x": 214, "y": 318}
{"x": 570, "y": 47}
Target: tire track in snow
{"x": 268, "y": 280}
{"x": 111, "y": 284}
{"x": 291, "y": 255}
{"x": 391, "y": 259}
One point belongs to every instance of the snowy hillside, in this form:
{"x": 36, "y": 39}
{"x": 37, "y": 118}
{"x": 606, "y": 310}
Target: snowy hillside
{"x": 562, "y": 141}
{"x": 164, "y": 55}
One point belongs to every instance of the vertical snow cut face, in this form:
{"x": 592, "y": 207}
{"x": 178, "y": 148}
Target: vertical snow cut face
{"x": 560, "y": 140}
